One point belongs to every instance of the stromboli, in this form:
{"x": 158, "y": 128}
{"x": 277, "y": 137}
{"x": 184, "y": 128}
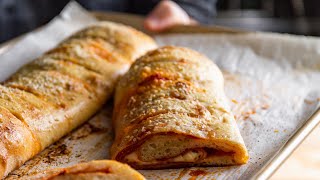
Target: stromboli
{"x": 93, "y": 170}
{"x": 171, "y": 111}
{"x": 52, "y": 95}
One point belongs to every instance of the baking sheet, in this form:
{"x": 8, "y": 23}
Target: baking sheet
{"x": 272, "y": 81}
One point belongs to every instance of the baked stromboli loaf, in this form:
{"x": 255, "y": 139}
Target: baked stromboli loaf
{"x": 101, "y": 169}
{"x": 57, "y": 92}
{"x": 171, "y": 111}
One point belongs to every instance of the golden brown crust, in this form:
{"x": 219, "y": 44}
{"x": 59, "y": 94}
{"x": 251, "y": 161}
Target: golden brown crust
{"x": 62, "y": 89}
{"x": 100, "y": 169}
{"x": 17, "y": 142}
{"x": 173, "y": 92}
{"x": 126, "y": 40}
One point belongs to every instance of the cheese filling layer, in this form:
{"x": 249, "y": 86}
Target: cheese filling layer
{"x": 189, "y": 156}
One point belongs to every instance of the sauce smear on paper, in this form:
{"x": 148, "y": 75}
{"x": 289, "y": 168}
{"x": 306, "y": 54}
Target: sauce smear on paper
{"x": 195, "y": 173}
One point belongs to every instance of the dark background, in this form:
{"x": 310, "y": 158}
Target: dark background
{"x": 286, "y": 16}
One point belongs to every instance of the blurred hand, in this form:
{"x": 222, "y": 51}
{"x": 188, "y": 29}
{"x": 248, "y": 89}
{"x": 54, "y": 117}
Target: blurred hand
{"x": 165, "y": 15}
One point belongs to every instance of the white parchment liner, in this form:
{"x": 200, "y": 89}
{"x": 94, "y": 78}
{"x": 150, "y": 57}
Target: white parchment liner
{"x": 272, "y": 80}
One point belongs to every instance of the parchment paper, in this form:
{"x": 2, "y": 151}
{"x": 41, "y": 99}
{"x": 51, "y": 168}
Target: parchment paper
{"x": 272, "y": 80}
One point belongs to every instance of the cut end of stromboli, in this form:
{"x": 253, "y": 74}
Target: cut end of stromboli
{"x": 171, "y": 111}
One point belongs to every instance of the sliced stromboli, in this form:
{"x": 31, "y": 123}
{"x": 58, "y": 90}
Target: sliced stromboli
{"x": 171, "y": 111}
{"x": 101, "y": 169}
{"x": 62, "y": 89}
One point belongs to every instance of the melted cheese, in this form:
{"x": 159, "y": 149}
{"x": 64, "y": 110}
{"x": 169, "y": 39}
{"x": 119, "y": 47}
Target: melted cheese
{"x": 133, "y": 157}
{"x": 190, "y": 156}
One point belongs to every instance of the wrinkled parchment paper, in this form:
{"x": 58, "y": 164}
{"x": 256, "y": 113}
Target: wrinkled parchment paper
{"x": 272, "y": 80}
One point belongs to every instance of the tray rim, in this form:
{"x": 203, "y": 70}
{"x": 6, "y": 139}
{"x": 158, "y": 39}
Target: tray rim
{"x": 136, "y": 21}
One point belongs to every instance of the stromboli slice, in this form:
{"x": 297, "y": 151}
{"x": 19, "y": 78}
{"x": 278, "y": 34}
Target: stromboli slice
{"x": 63, "y": 88}
{"x": 171, "y": 111}
{"x": 99, "y": 169}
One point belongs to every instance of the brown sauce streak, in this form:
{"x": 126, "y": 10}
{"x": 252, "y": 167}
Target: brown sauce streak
{"x": 56, "y": 153}
{"x": 182, "y": 173}
{"x": 87, "y": 130}
{"x": 195, "y": 173}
